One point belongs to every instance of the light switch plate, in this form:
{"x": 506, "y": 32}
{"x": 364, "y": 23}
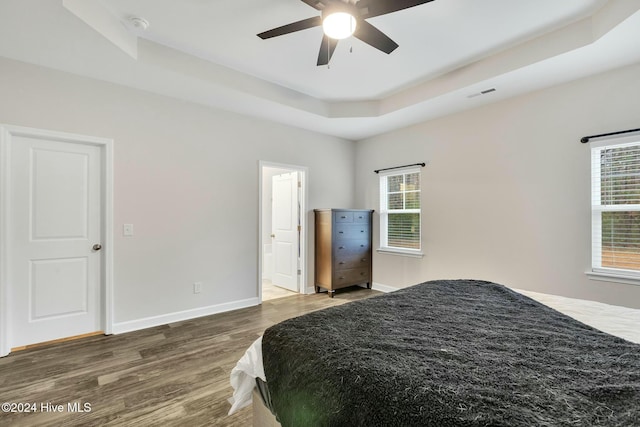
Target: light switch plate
{"x": 127, "y": 229}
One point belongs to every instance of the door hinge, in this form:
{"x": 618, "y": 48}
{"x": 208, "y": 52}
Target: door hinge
{"x": 299, "y": 184}
{"x": 299, "y": 272}
{"x": 299, "y": 228}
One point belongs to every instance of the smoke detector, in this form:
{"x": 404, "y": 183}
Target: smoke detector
{"x": 139, "y": 23}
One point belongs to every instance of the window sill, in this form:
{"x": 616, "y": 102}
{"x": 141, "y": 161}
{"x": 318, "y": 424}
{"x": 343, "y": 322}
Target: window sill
{"x": 400, "y": 252}
{"x": 613, "y": 277}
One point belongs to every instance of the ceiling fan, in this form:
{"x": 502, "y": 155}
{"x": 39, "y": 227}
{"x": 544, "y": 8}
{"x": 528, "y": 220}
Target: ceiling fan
{"x": 343, "y": 18}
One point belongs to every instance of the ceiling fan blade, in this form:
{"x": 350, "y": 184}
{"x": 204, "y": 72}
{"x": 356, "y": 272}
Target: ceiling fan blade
{"x": 371, "y": 8}
{"x": 327, "y": 47}
{"x": 316, "y": 4}
{"x": 374, "y": 37}
{"x": 292, "y": 28}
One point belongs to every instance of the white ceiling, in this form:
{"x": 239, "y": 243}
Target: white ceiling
{"x": 207, "y": 51}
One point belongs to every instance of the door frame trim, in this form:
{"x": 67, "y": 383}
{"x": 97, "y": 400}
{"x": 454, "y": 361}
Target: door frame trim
{"x": 304, "y": 237}
{"x": 106, "y": 286}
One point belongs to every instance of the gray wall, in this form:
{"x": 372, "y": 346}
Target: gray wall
{"x": 186, "y": 176}
{"x": 506, "y": 191}
{"x": 506, "y": 188}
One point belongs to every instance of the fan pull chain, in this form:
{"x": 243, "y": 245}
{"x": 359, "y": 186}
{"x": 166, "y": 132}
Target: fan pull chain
{"x": 351, "y": 27}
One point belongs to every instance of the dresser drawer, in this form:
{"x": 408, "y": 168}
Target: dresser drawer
{"x": 352, "y": 276}
{"x": 353, "y": 254}
{"x": 343, "y": 216}
{"x": 351, "y": 231}
{"x": 350, "y": 247}
{"x": 361, "y": 217}
{"x": 356, "y": 260}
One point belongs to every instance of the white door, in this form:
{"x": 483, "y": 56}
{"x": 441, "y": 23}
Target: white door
{"x": 284, "y": 230}
{"x": 54, "y": 268}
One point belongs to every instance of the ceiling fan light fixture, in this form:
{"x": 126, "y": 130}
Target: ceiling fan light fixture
{"x": 339, "y": 25}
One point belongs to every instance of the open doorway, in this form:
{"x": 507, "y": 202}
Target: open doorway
{"x": 282, "y": 232}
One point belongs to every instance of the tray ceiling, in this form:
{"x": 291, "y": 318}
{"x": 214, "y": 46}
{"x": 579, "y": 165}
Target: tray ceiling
{"x": 207, "y": 51}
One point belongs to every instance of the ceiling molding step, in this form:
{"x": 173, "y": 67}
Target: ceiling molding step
{"x": 95, "y": 15}
{"x": 217, "y": 75}
{"x": 354, "y": 109}
{"x": 575, "y": 36}
{"x": 613, "y": 14}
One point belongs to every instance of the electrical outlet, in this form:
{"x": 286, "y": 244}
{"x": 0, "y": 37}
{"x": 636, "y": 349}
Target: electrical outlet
{"x": 197, "y": 287}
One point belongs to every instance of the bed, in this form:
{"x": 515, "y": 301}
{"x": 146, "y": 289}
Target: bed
{"x": 443, "y": 353}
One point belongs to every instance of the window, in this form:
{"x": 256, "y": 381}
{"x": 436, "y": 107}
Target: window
{"x": 615, "y": 196}
{"x": 400, "y": 211}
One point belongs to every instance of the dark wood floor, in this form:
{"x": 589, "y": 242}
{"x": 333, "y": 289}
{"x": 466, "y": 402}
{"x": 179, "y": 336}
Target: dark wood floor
{"x": 173, "y": 375}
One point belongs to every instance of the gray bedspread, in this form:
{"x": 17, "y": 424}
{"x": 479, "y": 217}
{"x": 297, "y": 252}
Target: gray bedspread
{"x": 449, "y": 353}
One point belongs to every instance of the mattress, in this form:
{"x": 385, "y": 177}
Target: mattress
{"x": 616, "y": 320}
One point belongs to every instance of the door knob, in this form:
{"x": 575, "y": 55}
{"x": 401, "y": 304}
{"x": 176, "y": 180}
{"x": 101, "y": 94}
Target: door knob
{"x": 97, "y": 247}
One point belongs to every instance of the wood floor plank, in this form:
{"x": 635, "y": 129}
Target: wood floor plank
{"x": 171, "y": 375}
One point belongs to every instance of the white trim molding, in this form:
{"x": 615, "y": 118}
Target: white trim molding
{"x": 107, "y": 235}
{"x": 613, "y": 277}
{"x": 178, "y": 316}
{"x": 106, "y": 146}
{"x": 383, "y": 288}
{"x": 5, "y": 327}
{"x": 400, "y": 252}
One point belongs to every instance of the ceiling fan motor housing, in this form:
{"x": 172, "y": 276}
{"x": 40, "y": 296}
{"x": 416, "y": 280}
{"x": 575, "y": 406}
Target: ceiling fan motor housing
{"x": 339, "y": 6}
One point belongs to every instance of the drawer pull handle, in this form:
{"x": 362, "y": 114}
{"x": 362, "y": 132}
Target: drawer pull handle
{"x": 340, "y": 232}
{"x": 343, "y": 217}
{"x": 341, "y": 277}
{"x": 362, "y": 231}
{"x": 362, "y": 246}
{"x": 341, "y": 247}
{"x": 341, "y": 262}
{"x": 363, "y": 260}
{"x": 362, "y": 274}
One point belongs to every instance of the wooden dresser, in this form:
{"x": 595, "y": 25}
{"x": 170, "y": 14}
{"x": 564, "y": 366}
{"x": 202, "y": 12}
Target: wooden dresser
{"x": 343, "y": 248}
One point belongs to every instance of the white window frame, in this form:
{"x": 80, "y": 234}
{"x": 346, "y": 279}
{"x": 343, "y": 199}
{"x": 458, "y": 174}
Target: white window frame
{"x": 384, "y": 215}
{"x": 598, "y": 272}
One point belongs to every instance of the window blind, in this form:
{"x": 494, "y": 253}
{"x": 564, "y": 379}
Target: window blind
{"x": 616, "y": 207}
{"x": 400, "y": 209}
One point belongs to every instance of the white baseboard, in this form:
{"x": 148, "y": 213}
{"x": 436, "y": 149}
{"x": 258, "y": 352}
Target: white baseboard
{"x": 149, "y": 322}
{"x": 310, "y": 290}
{"x": 383, "y": 288}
